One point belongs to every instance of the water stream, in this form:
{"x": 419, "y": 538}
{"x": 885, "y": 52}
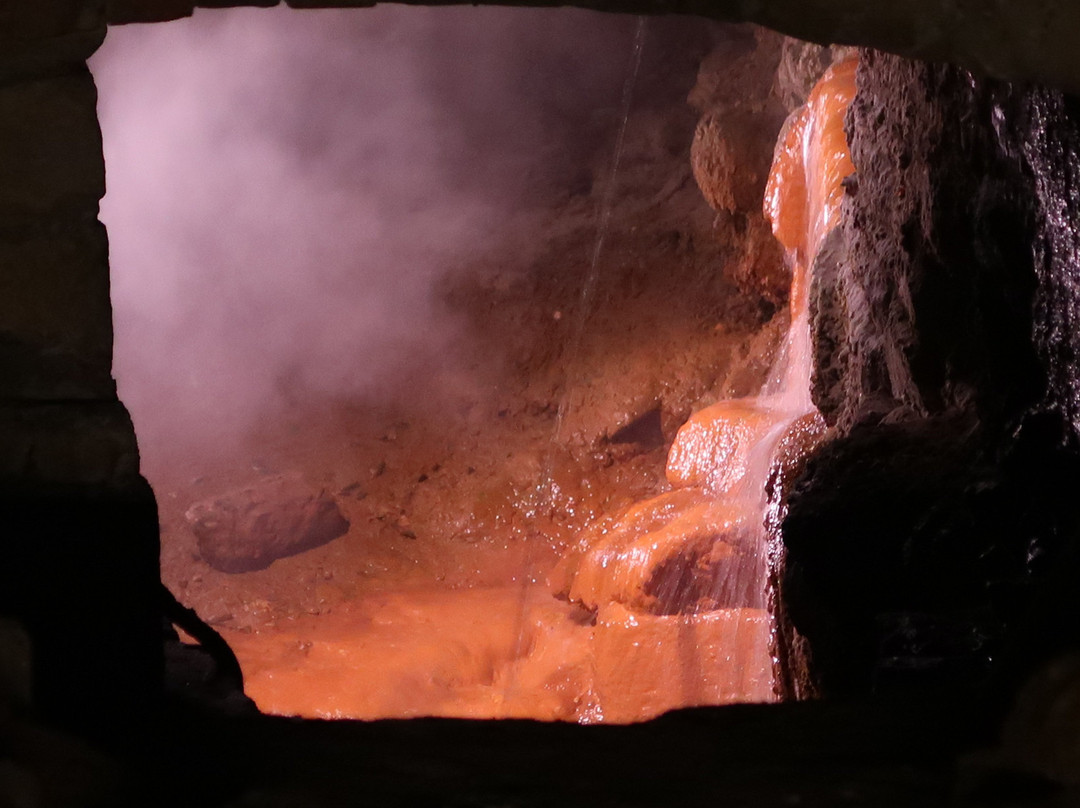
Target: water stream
{"x": 699, "y": 555}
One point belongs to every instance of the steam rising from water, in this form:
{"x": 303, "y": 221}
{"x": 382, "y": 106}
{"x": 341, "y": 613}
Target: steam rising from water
{"x": 287, "y": 188}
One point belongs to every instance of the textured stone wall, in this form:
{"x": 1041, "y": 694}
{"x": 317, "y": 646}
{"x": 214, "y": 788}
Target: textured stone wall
{"x": 932, "y": 543}
{"x": 79, "y": 530}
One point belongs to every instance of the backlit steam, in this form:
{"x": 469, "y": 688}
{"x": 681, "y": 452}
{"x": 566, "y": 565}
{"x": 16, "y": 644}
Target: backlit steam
{"x": 286, "y": 188}
{"x": 290, "y": 197}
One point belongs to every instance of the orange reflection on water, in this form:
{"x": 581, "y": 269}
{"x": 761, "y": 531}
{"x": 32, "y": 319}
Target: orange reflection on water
{"x": 501, "y": 653}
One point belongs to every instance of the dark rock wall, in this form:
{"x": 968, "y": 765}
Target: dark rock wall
{"x": 1032, "y": 39}
{"x": 924, "y": 542}
{"x": 926, "y": 308}
{"x": 1047, "y": 138}
{"x": 921, "y": 540}
{"x": 78, "y": 525}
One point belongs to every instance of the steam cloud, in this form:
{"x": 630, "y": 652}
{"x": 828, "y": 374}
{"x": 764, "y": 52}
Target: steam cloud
{"x": 287, "y": 188}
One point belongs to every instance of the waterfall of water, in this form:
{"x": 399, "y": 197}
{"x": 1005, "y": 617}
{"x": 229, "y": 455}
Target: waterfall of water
{"x": 690, "y": 568}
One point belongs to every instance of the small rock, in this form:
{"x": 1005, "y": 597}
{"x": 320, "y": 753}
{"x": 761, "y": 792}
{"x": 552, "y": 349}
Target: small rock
{"x": 646, "y": 429}
{"x": 250, "y": 528}
{"x": 219, "y": 617}
{"x": 404, "y": 527}
{"x": 356, "y": 490}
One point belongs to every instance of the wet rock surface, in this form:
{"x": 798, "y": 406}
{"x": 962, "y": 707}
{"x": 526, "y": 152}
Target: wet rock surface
{"x": 929, "y": 545}
{"x": 250, "y": 528}
{"x": 926, "y": 307}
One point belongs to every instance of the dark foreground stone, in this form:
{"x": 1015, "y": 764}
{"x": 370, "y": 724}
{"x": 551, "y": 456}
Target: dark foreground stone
{"x": 933, "y": 543}
{"x": 872, "y": 754}
{"x": 250, "y": 528}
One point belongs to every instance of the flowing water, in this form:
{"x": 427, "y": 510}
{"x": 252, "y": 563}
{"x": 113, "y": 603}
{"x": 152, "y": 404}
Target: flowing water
{"x": 681, "y": 559}
{"x": 585, "y": 301}
{"x": 659, "y": 606}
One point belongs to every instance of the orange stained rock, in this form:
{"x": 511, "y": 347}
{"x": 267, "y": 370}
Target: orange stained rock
{"x": 785, "y": 192}
{"x": 616, "y": 560}
{"x": 647, "y": 664}
{"x": 803, "y": 194}
{"x": 712, "y": 448}
{"x": 800, "y": 438}
{"x": 685, "y": 537}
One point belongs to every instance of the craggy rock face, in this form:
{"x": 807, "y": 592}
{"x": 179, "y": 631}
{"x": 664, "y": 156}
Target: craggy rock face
{"x": 929, "y": 543}
{"x": 741, "y": 114}
{"x": 923, "y": 305}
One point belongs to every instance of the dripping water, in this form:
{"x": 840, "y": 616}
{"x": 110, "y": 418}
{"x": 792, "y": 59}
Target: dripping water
{"x": 547, "y": 490}
{"x": 786, "y": 395}
{"x": 607, "y": 203}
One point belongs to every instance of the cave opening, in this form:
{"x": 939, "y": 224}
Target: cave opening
{"x": 436, "y": 299}
{"x": 930, "y": 540}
